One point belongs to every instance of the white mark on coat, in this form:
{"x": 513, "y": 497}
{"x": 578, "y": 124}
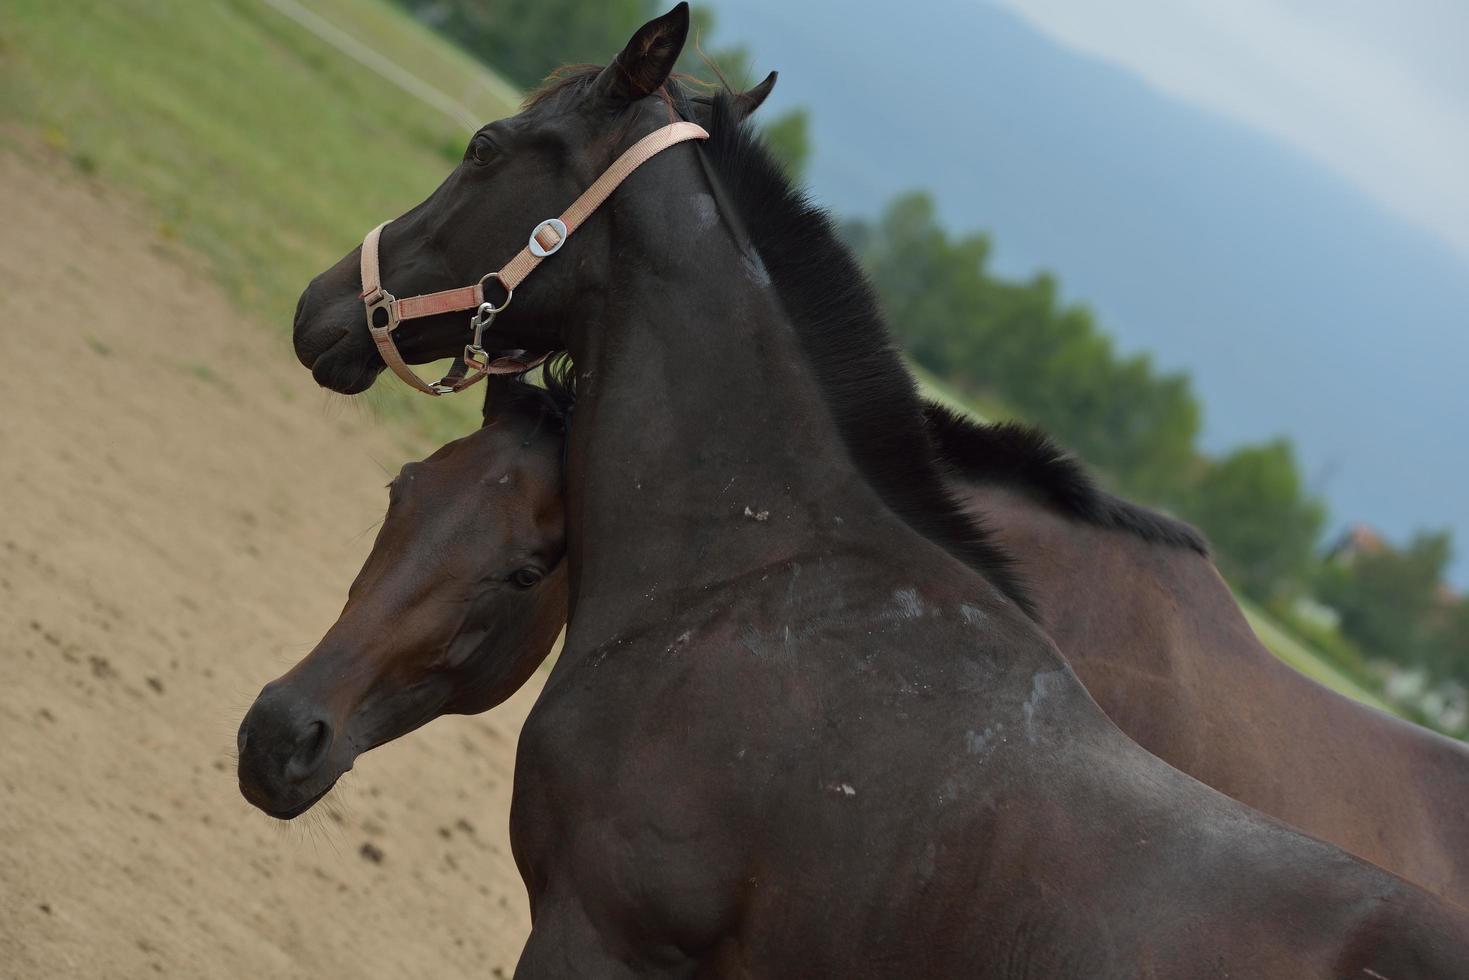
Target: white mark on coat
{"x": 1042, "y": 685}
{"x": 755, "y": 269}
{"x": 791, "y": 587}
{"x": 505, "y": 479}
{"x": 909, "y": 605}
{"x": 972, "y": 615}
{"x": 840, "y": 789}
{"x": 982, "y": 743}
{"x": 759, "y": 515}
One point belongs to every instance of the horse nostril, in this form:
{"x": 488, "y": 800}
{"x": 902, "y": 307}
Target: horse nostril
{"x": 311, "y": 746}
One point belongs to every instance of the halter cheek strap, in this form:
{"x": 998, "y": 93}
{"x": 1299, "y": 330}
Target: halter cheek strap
{"x": 385, "y": 311}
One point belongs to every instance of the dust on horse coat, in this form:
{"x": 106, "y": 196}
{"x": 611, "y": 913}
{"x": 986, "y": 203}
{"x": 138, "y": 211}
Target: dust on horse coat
{"x": 815, "y": 742}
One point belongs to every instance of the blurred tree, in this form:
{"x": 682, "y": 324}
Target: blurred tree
{"x": 788, "y": 136}
{"x": 525, "y": 40}
{"x": 1016, "y": 341}
{"x": 1389, "y": 599}
{"x": 728, "y": 65}
{"x": 731, "y": 65}
{"x": 1448, "y": 642}
{"x": 1263, "y": 525}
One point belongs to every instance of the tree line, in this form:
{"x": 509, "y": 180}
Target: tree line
{"x": 1014, "y": 346}
{"x": 526, "y": 40}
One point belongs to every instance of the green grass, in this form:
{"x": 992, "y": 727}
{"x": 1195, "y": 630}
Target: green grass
{"x": 1305, "y": 659}
{"x": 383, "y": 27}
{"x": 935, "y": 389}
{"x": 257, "y": 146}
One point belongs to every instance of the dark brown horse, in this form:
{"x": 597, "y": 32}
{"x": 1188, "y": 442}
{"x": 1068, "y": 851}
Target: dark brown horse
{"x": 462, "y": 597}
{"x": 1156, "y": 636}
{"x": 789, "y": 734}
{"x": 1163, "y": 648}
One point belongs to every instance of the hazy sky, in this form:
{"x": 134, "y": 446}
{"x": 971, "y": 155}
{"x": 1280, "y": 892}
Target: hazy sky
{"x": 1376, "y": 90}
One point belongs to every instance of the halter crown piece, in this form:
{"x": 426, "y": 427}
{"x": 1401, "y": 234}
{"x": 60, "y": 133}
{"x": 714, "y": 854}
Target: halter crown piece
{"x": 385, "y": 311}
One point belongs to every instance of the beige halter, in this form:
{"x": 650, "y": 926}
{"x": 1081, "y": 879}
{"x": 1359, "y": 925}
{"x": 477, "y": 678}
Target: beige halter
{"x": 546, "y": 239}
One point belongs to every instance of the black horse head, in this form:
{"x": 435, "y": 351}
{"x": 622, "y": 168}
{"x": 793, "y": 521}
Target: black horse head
{"x": 515, "y": 173}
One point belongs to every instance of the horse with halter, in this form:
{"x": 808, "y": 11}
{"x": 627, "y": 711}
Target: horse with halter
{"x": 786, "y": 679}
{"x": 464, "y": 594}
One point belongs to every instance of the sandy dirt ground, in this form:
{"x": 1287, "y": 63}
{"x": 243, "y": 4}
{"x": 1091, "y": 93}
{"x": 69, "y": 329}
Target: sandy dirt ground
{"x": 181, "y": 512}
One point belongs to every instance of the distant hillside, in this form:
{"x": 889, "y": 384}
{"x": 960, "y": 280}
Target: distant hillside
{"x": 1296, "y": 304}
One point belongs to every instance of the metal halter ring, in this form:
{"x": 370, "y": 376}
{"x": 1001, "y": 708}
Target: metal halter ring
{"x": 491, "y": 308}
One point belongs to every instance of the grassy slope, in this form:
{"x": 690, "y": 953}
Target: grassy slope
{"x": 1304, "y": 659}
{"x": 268, "y": 152}
{"x": 383, "y": 27}
{"x": 259, "y": 147}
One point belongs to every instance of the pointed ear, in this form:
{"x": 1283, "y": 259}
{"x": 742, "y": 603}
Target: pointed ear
{"x": 747, "y": 102}
{"x": 742, "y": 104}
{"x": 648, "y": 59}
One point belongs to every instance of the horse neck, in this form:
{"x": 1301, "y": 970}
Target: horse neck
{"x": 702, "y": 448}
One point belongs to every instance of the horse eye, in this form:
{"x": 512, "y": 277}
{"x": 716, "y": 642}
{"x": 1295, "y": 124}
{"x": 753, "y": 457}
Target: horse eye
{"x": 480, "y": 150}
{"x": 526, "y": 577}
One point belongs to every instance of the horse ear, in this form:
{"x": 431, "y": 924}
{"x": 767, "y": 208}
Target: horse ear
{"x": 747, "y": 102}
{"x": 648, "y": 59}
{"x": 743, "y": 104}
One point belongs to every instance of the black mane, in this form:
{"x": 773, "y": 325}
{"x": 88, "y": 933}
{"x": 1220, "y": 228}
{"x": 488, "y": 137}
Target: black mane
{"x": 835, "y": 313}
{"x": 1014, "y": 455}
{"x": 549, "y": 404}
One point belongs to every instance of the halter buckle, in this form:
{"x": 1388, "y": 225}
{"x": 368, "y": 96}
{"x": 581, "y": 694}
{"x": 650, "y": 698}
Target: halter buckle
{"x": 380, "y": 299}
{"x": 557, "y": 237}
{"x": 476, "y": 358}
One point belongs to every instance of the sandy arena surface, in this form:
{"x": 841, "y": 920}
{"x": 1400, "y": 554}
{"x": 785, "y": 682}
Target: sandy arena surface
{"x": 182, "y": 513}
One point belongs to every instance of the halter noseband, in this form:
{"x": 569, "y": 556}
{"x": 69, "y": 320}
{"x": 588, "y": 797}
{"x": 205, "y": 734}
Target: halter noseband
{"x": 546, "y": 240}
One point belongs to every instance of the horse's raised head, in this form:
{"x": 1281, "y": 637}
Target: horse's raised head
{"x": 516, "y": 173}
{"x": 461, "y": 598}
